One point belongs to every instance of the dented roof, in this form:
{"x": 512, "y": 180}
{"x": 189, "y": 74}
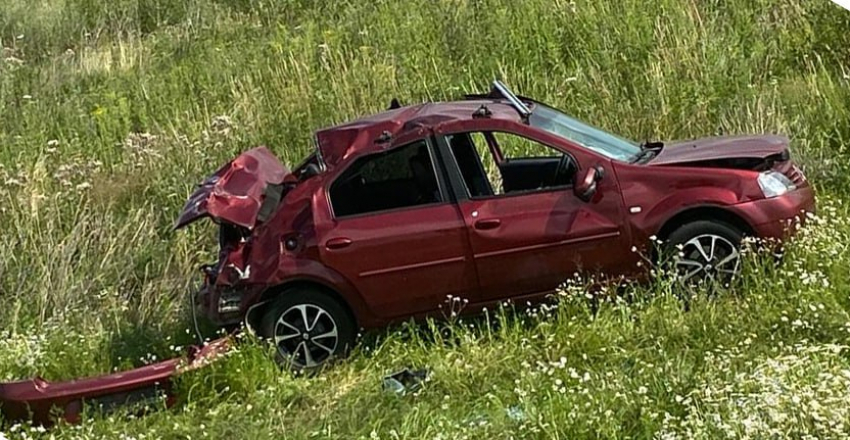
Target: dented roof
{"x": 365, "y": 135}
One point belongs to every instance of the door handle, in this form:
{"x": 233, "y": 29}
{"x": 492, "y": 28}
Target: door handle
{"x": 488, "y": 224}
{"x": 338, "y": 243}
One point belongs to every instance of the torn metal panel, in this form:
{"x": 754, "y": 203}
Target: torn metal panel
{"x": 243, "y": 192}
{"x": 43, "y": 403}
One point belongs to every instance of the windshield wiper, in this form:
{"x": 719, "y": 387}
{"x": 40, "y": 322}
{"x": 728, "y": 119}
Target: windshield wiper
{"x": 643, "y": 156}
{"x": 654, "y": 145}
{"x": 648, "y": 150}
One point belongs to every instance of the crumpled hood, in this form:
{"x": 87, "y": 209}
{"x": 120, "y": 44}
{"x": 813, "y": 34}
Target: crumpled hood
{"x": 725, "y": 147}
{"x": 240, "y": 192}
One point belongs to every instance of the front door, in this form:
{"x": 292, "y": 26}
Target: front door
{"x": 395, "y": 235}
{"x": 528, "y": 231}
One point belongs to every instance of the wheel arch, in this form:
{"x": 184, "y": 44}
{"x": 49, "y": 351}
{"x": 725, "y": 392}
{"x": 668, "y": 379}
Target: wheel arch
{"x": 254, "y": 315}
{"x": 704, "y": 212}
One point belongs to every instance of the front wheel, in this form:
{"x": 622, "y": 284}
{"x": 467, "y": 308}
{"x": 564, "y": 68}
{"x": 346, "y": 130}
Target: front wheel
{"x": 706, "y": 250}
{"x": 308, "y": 328}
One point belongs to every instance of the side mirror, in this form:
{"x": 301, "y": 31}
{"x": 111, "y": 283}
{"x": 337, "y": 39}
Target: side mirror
{"x": 585, "y": 187}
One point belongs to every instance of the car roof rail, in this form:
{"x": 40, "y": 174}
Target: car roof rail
{"x": 521, "y": 108}
{"x": 500, "y": 90}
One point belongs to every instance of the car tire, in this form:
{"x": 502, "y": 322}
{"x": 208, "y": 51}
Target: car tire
{"x": 705, "y": 250}
{"x": 309, "y": 328}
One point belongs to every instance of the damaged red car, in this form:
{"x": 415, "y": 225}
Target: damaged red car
{"x": 489, "y": 198}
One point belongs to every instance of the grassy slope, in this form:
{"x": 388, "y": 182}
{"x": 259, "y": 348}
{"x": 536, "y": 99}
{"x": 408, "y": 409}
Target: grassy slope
{"x": 111, "y": 111}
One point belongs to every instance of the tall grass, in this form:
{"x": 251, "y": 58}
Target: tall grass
{"x": 110, "y": 112}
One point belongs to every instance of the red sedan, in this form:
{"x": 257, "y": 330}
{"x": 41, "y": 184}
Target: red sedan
{"x": 489, "y": 198}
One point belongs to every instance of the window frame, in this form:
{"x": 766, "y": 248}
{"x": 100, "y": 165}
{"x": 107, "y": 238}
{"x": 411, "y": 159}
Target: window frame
{"x": 456, "y": 175}
{"x": 445, "y": 195}
{"x": 498, "y": 153}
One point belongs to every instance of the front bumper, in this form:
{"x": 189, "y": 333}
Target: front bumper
{"x": 777, "y": 217}
{"x": 42, "y": 402}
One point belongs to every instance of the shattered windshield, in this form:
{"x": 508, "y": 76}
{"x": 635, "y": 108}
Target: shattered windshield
{"x": 592, "y": 138}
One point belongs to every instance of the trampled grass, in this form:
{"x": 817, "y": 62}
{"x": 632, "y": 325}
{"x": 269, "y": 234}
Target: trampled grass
{"x": 110, "y": 112}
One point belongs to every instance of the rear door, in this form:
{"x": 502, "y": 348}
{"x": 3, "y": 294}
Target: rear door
{"x": 528, "y": 231}
{"x": 396, "y": 235}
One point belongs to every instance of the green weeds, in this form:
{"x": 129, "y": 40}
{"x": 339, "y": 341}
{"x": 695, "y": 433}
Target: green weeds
{"x": 110, "y": 112}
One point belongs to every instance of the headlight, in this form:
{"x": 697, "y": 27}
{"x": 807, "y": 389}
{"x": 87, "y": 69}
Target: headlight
{"x": 775, "y": 184}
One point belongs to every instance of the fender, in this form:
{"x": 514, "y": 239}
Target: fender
{"x": 680, "y": 201}
{"x": 669, "y": 207}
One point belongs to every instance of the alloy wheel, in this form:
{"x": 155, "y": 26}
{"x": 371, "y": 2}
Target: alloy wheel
{"x": 306, "y": 334}
{"x": 707, "y": 256}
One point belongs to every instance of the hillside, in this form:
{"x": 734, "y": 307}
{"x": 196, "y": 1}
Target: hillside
{"x": 111, "y": 112}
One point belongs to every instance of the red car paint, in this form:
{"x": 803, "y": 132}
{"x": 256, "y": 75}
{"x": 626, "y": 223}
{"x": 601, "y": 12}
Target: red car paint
{"x": 722, "y": 147}
{"x": 235, "y": 192}
{"x": 41, "y": 401}
{"x": 400, "y": 263}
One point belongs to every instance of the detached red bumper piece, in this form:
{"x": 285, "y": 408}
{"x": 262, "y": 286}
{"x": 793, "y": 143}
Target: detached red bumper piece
{"x": 43, "y": 402}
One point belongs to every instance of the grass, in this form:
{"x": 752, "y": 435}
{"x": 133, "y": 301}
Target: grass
{"x": 112, "y": 111}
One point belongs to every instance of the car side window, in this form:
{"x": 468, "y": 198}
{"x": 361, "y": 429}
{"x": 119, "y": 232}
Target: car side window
{"x": 399, "y": 178}
{"x": 528, "y": 165}
{"x": 518, "y": 147}
{"x": 477, "y": 165}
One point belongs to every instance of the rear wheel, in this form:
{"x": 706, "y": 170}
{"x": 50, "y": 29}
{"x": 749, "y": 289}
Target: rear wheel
{"x": 706, "y": 250}
{"x": 309, "y": 328}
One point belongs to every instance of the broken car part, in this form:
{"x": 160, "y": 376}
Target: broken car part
{"x": 405, "y": 381}
{"x": 43, "y": 402}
